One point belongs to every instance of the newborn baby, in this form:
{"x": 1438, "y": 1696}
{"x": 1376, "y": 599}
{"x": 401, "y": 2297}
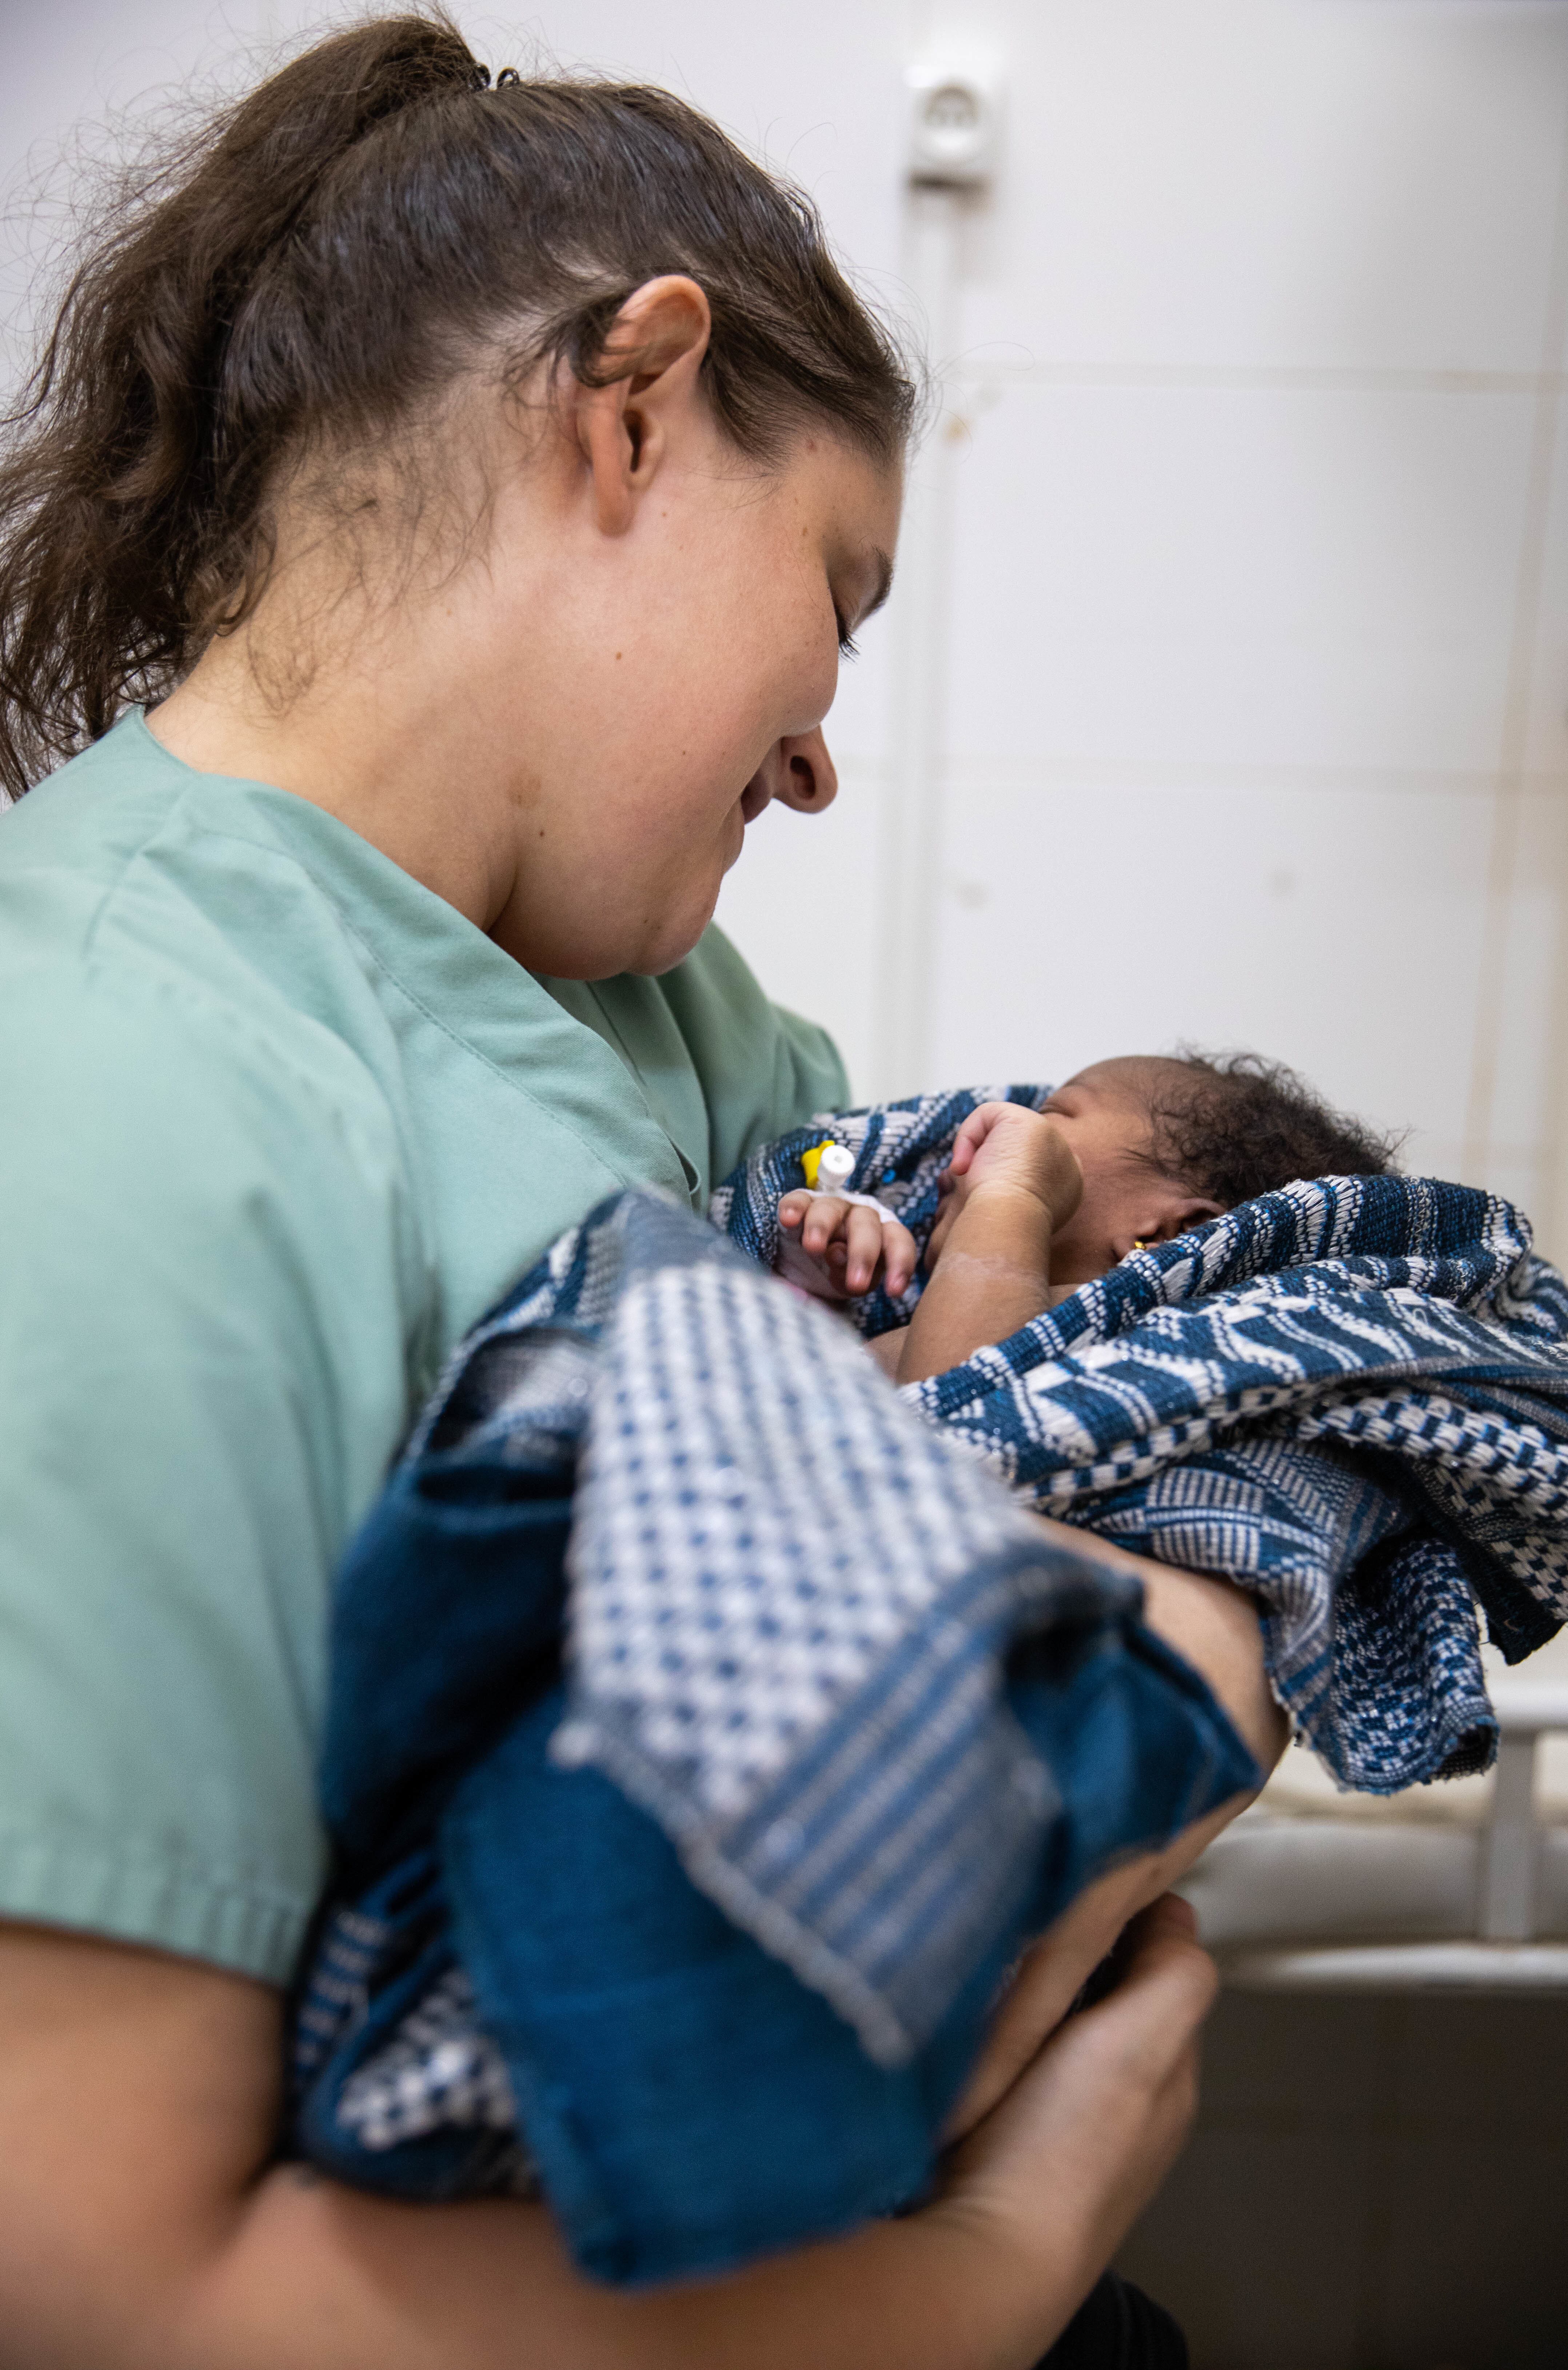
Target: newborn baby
{"x": 1129, "y": 1153}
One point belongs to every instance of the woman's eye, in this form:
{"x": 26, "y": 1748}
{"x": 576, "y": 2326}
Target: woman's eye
{"x": 848, "y": 646}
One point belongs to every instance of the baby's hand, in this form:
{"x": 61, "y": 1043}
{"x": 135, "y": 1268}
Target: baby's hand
{"x": 839, "y": 1249}
{"x": 1005, "y": 1143}
{"x": 1009, "y": 1147}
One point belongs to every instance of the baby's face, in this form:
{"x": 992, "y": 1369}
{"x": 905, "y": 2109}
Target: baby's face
{"x": 1104, "y": 1113}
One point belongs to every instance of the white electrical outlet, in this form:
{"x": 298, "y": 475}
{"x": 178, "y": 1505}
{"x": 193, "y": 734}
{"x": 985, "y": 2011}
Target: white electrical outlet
{"x": 954, "y": 121}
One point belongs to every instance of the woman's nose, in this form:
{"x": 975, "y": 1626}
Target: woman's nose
{"x": 799, "y": 771}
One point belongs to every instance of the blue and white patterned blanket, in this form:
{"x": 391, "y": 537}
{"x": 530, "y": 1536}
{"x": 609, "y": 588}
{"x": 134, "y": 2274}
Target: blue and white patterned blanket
{"x": 839, "y": 1724}
{"x": 788, "y": 1600}
{"x": 1351, "y": 1397}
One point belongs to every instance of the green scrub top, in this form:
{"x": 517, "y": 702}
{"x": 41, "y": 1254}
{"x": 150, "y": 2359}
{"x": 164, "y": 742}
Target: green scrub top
{"x": 276, "y": 1125}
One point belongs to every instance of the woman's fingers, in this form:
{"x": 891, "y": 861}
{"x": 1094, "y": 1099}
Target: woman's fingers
{"x": 1169, "y": 1916}
{"x": 1162, "y": 1951}
{"x": 1092, "y": 2126}
{"x": 1053, "y": 1973}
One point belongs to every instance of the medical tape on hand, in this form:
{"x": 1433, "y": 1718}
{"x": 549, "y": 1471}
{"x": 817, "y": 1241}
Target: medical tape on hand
{"x": 861, "y": 1201}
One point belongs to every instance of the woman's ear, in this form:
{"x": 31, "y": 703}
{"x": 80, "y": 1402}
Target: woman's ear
{"x": 624, "y": 429}
{"x": 1166, "y": 1215}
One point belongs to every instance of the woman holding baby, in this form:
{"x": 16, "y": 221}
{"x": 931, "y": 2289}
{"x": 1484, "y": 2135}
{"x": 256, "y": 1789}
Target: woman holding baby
{"x": 476, "y": 486}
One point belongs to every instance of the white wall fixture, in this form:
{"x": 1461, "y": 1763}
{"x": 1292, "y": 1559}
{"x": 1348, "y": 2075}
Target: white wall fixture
{"x": 955, "y": 112}
{"x": 954, "y": 125}
{"x": 1497, "y": 997}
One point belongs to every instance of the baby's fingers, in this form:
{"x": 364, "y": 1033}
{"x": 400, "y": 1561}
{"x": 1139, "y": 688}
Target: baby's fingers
{"x": 855, "y": 1243}
{"x": 826, "y": 1221}
{"x": 972, "y": 1135}
{"x": 863, "y": 1242}
{"x": 899, "y": 1250}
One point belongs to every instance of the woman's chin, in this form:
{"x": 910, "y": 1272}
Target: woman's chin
{"x": 647, "y": 947}
{"x": 674, "y": 940}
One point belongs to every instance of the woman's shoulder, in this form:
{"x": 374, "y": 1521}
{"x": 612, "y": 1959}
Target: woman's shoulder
{"x": 151, "y": 916}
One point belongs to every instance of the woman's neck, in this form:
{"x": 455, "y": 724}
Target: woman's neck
{"x": 367, "y": 739}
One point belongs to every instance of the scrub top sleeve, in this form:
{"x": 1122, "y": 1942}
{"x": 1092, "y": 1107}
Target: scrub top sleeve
{"x": 203, "y": 1373}
{"x": 762, "y": 1069}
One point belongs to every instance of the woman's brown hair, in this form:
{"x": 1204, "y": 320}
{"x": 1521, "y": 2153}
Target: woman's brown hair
{"x": 319, "y": 265}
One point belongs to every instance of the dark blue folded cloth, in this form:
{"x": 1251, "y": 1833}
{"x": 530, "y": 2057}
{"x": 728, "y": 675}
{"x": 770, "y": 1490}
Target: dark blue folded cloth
{"x": 696, "y": 1922}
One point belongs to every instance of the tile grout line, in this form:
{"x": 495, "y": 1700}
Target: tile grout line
{"x": 969, "y": 375}
{"x": 1372, "y": 2285}
{"x": 1036, "y": 772}
{"x": 1486, "y": 1043}
{"x": 1134, "y": 773}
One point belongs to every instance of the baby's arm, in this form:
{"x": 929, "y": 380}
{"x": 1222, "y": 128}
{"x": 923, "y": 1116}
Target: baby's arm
{"x": 1012, "y": 1178}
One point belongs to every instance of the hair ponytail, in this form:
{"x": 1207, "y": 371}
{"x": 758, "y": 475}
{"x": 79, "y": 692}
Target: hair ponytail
{"x": 311, "y": 266}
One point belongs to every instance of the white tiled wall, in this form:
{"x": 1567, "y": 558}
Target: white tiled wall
{"x": 1258, "y": 614}
{"x": 1372, "y": 2182}
{"x": 1260, "y": 337}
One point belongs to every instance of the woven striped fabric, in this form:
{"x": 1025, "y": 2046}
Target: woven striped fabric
{"x": 837, "y": 1723}
{"x": 1351, "y": 1397}
{"x": 788, "y": 1604}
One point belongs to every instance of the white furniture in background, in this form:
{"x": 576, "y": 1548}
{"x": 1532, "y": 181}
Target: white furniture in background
{"x": 1456, "y": 1886}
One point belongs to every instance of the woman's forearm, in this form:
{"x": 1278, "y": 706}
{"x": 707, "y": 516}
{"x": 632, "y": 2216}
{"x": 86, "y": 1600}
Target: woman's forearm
{"x": 1035, "y": 2203}
{"x": 139, "y": 2231}
{"x": 321, "y": 2278}
{"x": 950, "y": 2288}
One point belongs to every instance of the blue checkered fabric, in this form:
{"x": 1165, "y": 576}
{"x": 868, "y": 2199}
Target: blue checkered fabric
{"x": 1351, "y": 1397}
{"x": 788, "y": 1597}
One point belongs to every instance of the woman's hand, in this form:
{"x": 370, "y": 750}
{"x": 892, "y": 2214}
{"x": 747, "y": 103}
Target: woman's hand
{"x": 1052, "y": 1973}
{"x": 842, "y": 1248}
{"x": 1217, "y": 1627}
{"x": 1108, "y": 2102}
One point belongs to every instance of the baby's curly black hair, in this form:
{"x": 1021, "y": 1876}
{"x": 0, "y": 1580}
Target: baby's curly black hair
{"x": 1233, "y": 1125}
